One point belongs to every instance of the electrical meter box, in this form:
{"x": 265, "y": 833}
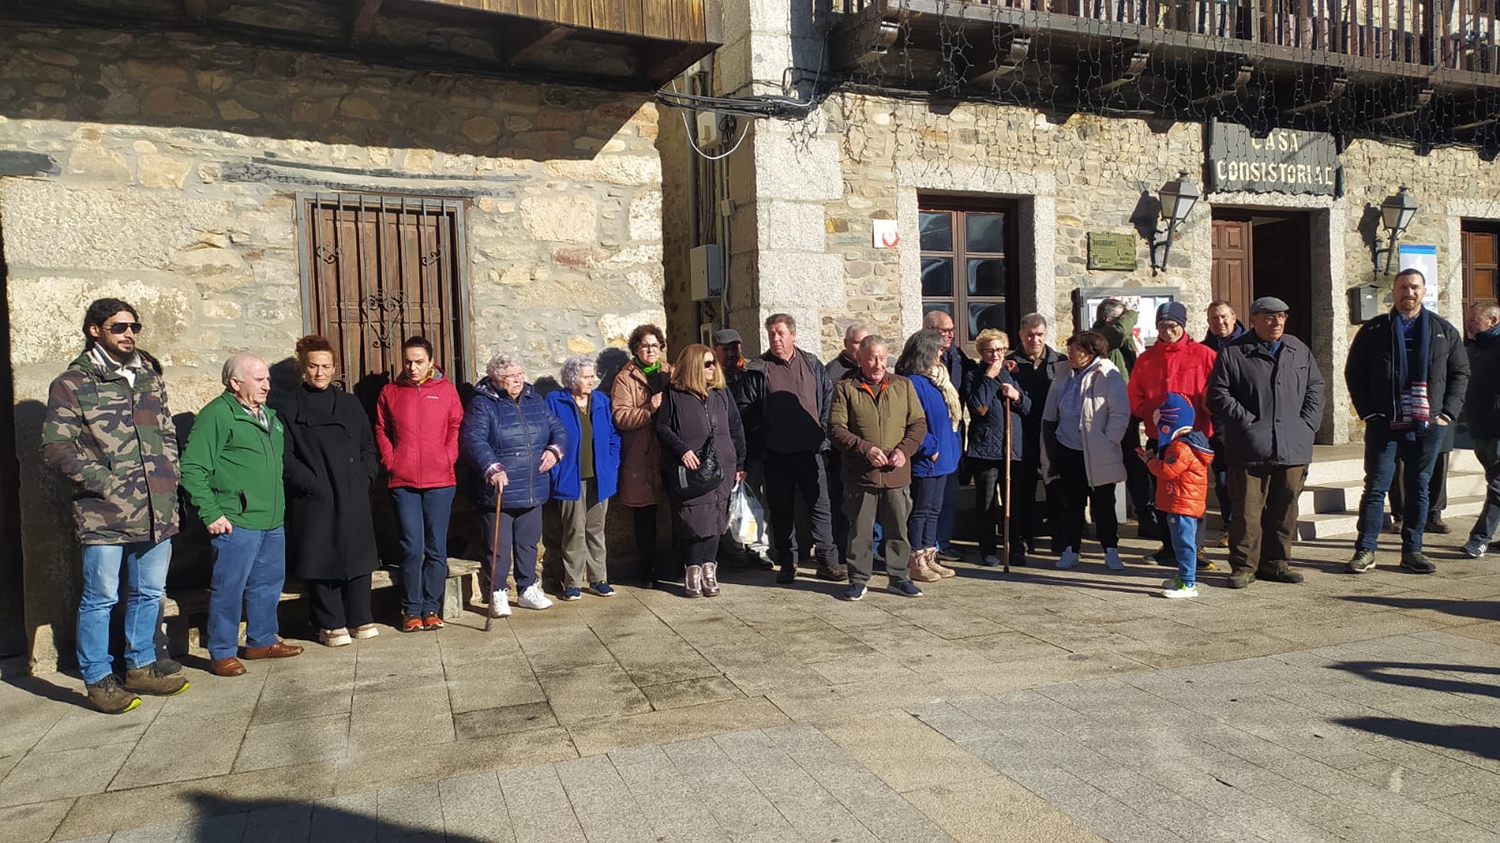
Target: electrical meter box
{"x": 707, "y": 272}
{"x": 1364, "y": 303}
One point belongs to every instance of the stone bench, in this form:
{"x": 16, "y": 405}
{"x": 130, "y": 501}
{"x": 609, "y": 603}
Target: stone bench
{"x": 186, "y": 611}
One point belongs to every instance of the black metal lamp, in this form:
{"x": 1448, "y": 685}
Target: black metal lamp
{"x": 1178, "y": 197}
{"x": 1395, "y": 215}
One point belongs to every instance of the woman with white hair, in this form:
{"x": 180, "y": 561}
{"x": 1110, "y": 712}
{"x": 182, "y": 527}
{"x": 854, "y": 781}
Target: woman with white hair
{"x": 510, "y": 436}
{"x": 586, "y": 477}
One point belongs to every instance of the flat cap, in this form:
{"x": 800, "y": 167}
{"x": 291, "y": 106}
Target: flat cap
{"x": 727, "y": 336}
{"x": 1268, "y": 304}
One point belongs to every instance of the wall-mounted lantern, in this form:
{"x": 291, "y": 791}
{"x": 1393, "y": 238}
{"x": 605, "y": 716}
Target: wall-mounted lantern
{"x": 1177, "y": 200}
{"x": 1395, "y": 215}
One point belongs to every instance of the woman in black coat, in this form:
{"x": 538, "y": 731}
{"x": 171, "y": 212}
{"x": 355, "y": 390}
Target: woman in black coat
{"x": 696, "y": 403}
{"x": 330, "y": 461}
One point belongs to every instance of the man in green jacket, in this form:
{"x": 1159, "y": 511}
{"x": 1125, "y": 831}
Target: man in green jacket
{"x": 1115, "y": 321}
{"x": 231, "y": 471}
{"x": 877, "y": 422}
{"x": 108, "y": 430}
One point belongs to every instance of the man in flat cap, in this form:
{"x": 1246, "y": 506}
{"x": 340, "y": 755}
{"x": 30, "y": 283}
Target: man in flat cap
{"x": 1174, "y": 363}
{"x": 1266, "y": 394}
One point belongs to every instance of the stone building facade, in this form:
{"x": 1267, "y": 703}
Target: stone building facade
{"x": 169, "y": 170}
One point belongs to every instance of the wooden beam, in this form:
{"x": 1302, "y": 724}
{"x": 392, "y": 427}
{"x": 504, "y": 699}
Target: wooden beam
{"x": 362, "y": 25}
{"x": 1325, "y": 89}
{"x": 196, "y": 8}
{"x": 1230, "y": 86}
{"x": 521, "y": 43}
{"x": 1012, "y": 53}
{"x": 1116, "y": 71}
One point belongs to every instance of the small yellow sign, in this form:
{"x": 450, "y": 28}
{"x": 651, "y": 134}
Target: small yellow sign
{"x": 1112, "y": 251}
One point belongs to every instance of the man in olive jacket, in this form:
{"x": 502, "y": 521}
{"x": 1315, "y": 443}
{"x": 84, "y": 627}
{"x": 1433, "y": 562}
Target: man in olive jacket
{"x": 1266, "y": 396}
{"x": 877, "y": 423}
{"x": 231, "y": 471}
{"x": 109, "y": 431}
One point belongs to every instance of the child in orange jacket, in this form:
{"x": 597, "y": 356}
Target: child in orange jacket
{"x": 1182, "y": 471}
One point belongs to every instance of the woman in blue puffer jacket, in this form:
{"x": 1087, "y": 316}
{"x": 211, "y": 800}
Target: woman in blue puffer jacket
{"x": 513, "y": 440}
{"x": 938, "y": 456}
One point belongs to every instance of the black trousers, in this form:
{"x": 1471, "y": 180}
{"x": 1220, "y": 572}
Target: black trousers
{"x": 1075, "y": 491}
{"x": 1139, "y": 489}
{"x": 340, "y": 604}
{"x": 786, "y": 475}
{"x": 991, "y": 508}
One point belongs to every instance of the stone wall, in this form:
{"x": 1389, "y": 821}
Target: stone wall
{"x": 164, "y": 169}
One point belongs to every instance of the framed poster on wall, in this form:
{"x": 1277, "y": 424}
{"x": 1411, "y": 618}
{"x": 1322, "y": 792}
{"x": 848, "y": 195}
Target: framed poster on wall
{"x": 1086, "y": 302}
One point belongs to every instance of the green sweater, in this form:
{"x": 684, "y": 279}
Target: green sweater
{"x": 232, "y": 466}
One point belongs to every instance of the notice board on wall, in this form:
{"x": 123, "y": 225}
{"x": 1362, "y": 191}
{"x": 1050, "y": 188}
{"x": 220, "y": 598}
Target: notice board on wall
{"x": 1086, "y": 302}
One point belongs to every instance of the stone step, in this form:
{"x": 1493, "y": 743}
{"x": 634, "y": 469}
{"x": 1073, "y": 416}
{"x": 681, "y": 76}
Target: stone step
{"x": 1339, "y": 466}
{"x": 1323, "y": 525}
{"x": 1332, "y": 499}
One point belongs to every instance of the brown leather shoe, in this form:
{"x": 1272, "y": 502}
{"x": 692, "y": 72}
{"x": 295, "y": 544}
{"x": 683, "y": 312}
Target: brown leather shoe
{"x": 228, "y": 667}
{"x": 279, "y": 650}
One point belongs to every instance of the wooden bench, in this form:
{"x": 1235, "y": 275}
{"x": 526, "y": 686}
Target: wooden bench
{"x": 186, "y": 611}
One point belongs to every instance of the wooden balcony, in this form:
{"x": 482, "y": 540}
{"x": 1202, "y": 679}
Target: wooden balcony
{"x": 626, "y": 44}
{"x": 1428, "y": 70}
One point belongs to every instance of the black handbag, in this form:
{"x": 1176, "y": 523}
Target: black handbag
{"x": 709, "y": 475}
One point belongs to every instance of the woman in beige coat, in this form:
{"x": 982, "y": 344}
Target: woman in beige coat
{"x": 636, "y": 396}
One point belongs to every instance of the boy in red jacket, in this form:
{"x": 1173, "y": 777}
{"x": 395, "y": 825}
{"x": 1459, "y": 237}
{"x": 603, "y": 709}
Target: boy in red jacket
{"x": 1181, "y": 467}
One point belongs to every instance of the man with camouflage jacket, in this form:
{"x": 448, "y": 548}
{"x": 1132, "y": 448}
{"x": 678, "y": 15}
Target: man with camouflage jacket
{"x": 108, "y": 430}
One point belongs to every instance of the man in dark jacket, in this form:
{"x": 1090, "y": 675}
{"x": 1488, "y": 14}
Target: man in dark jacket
{"x": 1224, "y": 327}
{"x": 1031, "y": 365}
{"x": 1407, "y": 376}
{"x": 109, "y": 431}
{"x": 1266, "y": 395}
{"x": 786, "y": 408}
{"x": 1482, "y": 415}
{"x": 738, "y": 372}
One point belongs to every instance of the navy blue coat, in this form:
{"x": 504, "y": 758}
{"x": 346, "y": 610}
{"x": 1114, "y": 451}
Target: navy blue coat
{"x": 512, "y": 432}
{"x": 567, "y": 484}
{"x": 987, "y": 429}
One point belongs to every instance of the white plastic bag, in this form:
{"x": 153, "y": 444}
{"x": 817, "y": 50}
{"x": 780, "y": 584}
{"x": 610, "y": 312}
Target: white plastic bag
{"x": 747, "y": 522}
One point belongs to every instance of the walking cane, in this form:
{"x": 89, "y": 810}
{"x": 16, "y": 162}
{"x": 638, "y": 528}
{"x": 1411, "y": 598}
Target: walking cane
{"x": 489, "y": 616}
{"x": 1005, "y": 524}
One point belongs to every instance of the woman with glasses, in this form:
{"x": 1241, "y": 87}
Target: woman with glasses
{"x": 698, "y": 407}
{"x": 513, "y": 440}
{"x": 990, "y": 389}
{"x": 636, "y": 395}
{"x": 585, "y": 478}
{"x": 330, "y": 461}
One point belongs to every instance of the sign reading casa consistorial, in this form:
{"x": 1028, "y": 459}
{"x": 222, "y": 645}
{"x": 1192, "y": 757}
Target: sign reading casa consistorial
{"x": 1284, "y": 161}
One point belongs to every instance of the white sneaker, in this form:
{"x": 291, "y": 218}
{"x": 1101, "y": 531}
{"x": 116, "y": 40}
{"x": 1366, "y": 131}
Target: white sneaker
{"x": 1112, "y": 559}
{"x": 500, "y": 604}
{"x": 533, "y": 598}
{"x": 1068, "y": 559}
{"x": 1178, "y": 591}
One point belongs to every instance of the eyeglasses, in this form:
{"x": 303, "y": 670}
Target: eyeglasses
{"x": 120, "y": 328}
{"x": 947, "y": 332}
{"x": 709, "y": 364}
{"x": 514, "y": 376}
{"x": 646, "y": 346}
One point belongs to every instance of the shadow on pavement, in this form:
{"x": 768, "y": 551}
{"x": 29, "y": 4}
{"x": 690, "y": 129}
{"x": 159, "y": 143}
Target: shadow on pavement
{"x": 71, "y": 695}
{"x": 1401, "y": 673}
{"x": 1480, "y": 740}
{"x": 225, "y": 818}
{"x": 1485, "y": 610}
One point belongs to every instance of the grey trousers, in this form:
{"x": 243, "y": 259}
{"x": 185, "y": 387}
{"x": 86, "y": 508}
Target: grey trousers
{"x": 583, "y": 537}
{"x": 891, "y": 507}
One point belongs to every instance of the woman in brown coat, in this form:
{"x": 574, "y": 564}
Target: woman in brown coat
{"x": 636, "y": 395}
{"x": 696, "y": 407}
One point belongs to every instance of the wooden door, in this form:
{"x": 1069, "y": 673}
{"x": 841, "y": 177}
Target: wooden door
{"x": 1232, "y": 261}
{"x": 1481, "y": 263}
{"x": 1282, "y": 267}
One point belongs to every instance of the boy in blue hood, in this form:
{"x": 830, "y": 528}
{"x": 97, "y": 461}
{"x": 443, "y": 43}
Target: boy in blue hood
{"x": 1181, "y": 470}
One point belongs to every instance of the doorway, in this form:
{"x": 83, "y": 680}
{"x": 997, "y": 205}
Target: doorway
{"x": 1264, "y": 253}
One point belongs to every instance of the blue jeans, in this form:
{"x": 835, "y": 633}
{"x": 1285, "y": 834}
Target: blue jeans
{"x": 1184, "y": 532}
{"x": 947, "y": 516}
{"x": 1418, "y": 450}
{"x": 146, "y": 572}
{"x": 1488, "y": 453}
{"x": 423, "y": 516}
{"x": 926, "y": 510}
{"x": 249, "y": 570}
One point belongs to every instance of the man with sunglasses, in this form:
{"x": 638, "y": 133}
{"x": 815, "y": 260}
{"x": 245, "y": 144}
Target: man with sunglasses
{"x": 108, "y": 430}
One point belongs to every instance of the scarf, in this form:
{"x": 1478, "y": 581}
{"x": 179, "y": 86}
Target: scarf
{"x": 648, "y": 371}
{"x": 938, "y": 374}
{"x": 1413, "y": 404}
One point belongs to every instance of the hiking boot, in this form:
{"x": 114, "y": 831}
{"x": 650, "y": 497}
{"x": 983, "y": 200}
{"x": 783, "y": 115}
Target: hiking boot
{"x": 916, "y": 568}
{"x": 1279, "y": 571}
{"x": 711, "y": 579}
{"x": 833, "y": 573}
{"x": 1363, "y": 561}
{"x": 932, "y": 564}
{"x": 1413, "y": 560}
{"x": 168, "y": 666}
{"x": 905, "y": 588}
{"x": 788, "y": 574}
{"x": 110, "y": 698}
{"x": 1436, "y": 524}
{"x": 150, "y": 680}
{"x": 1475, "y": 548}
{"x": 692, "y": 581}
{"x": 1241, "y": 578}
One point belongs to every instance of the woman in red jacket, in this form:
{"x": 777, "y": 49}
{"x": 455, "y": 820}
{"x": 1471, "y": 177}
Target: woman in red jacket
{"x": 416, "y": 428}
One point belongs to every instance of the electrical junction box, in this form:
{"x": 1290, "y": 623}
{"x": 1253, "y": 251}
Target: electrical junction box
{"x": 707, "y": 272}
{"x": 708, "y": 128}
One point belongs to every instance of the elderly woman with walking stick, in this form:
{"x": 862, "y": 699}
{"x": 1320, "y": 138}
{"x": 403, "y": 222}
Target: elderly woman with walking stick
{"x": 996, "y": 406}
